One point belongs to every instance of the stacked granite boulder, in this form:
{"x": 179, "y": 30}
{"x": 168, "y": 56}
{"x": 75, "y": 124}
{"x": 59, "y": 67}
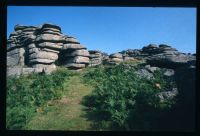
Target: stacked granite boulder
{"x": 44, "y": 52}
{"x": 33, "y": 49}
{"x": 166, "y": 56}
{"x": 115, "y": 58}
{"x": 75, "y": 55}
{"x": 162, "y": 55}
{"x": 17, "y": 45}
{"x": 96, "y": 57}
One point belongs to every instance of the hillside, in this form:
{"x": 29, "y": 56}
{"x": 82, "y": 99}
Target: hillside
{"x": 55, "y": 83}
{"x": 104, "y": 97}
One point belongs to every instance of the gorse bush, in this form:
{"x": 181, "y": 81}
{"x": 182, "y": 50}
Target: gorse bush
{"x": 26, "y": 93}
{"x": 120, "y": 96}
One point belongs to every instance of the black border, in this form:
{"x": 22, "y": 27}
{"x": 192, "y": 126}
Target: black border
{"x": 107, "y": 3}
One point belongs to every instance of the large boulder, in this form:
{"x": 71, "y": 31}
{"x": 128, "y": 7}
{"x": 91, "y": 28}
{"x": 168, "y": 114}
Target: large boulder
{"x": 168, "y": 61}
{"x": 73, "y": 55}
{"x": 116, "y": 55}
{"x": 49, "y": 38}
{"x": 81, "y": 52}
{"x": 79, "y": 60}
{"x": 73, "y": 46}
{"x": 95, "y": 57}
{"x": 115, "y": 58}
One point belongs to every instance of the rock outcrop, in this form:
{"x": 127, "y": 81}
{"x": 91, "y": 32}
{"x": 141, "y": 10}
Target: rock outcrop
{"x": 36, "y": 49}
{"x": 96, "y": 57}
{"x": 162, "y": 55}
{"x": 166, "y": 56}
{"x": 115, "y": 58}
{"x": 75, "y": 55}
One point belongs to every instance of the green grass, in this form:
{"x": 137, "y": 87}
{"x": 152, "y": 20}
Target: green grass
{"x": 27, "y": 94}
{"x": 97, "y": 98}
{"x": 67, "y": 113}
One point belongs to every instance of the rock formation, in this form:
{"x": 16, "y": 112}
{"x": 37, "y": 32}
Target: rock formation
{"x": 96, "y": 57}
{"x": 115, "y": 58}
{"x": 35, "y": 49}
{"x": 75, "y": 55}
{"x": 161, "y": 55}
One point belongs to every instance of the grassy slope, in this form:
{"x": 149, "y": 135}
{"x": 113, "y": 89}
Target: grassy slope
{"x": 67, "y": 113}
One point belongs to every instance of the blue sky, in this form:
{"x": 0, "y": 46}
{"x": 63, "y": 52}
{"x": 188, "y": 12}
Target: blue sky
{"x": 113, "y": 29}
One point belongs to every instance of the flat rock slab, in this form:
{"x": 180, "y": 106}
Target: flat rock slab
{"x": 51, "y": 45}
{"x": 44, "y": 61}
{"x": 79, "y": 60}
{"x": 74, "y": 65}
{"x": 81, "y": 52}
{"x": 44, "y": 55}
{"x": 48, "y": 25}
{"x": 49, "y": 37}
{"x": 116, "y": 59}
{"x": 73, "y": 47}
{"x": 72, "y": 40}
{"x": 116, "y": 55}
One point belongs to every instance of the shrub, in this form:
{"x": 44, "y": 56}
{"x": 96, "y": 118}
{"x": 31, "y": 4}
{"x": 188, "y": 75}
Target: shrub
{"x": 121, "y": 96}
{"x": 26, "y": 93}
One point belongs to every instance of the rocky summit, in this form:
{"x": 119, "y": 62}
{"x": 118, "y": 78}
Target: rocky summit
{"x": 42, "y": 48}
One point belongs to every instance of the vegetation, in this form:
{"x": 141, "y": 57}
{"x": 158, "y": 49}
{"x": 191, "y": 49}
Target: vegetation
{"x": 125, "y": 100}
{"x": 70, "y": 114}
{"x": 115, "y": 98}
{"x": 27, "y": 94}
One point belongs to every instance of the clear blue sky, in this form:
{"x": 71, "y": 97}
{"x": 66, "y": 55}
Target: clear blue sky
{"x": 113, "y": 29}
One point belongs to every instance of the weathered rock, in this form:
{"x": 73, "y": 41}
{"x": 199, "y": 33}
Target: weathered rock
{"x": 95, "y": 62}
{"x": 14, "y": 71}
{"x": 130, "y": 59}
{"x": 22, "y": 27}
{"x": 144, "y": 73}
{"x": 26, "y": 71}
{"x": 168, "y": 61}
{"x": 50, "y": 26}
{"x": 151, "y": 48}
{"x": 72, "y": 54}
{"x": 49, "y": 29}
{"x": 151, "y": 69}
{"x": 74, "y": 65}
{"x": 50, "y": 50}
{"x": 45, "y": 61}
{"x": 79, "y": 60}
{"x": 49, "y": 69}
{"x": 34, "y": 50}
{"x": 16, "y": 57}
{"x": 72, "y": 40}
{"x": 116, "y": 55}
{"x": 168, "y": 95}
{"x": 31, "y": 45}
{"x": 95, "y": 57}
{"x": 164, "y": 45}
{"x": 44, "y": 55}
{"x": 169, "y": 72}
{"x": 11, "y": 62}
{"x": 116, "y": 59}
{"x": 51, "y": 32}
{"x": 73, "y": 47}
{"x": 81, "y": 52}
{"x": 50, "y": 38}
{"x": 55, "y": 46}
